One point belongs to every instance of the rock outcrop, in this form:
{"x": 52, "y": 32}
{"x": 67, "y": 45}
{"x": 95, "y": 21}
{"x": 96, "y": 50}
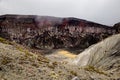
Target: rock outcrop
{"x": 117, "y": 26}
{"x": 44, "y": 32}
{"x": 104, "y": 55}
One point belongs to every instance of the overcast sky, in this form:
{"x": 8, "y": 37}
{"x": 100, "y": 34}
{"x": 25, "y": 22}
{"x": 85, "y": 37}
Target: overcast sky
{"x": 102, "y": 11}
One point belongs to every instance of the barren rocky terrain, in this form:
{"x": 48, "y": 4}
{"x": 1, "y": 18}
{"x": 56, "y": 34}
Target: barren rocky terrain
{"x": 51, "y": 48}
{"x": 45, "y": 32}
{"x": 18, "y": 63}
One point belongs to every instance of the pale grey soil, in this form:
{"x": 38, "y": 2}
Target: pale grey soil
{"x": 17, "y": 63}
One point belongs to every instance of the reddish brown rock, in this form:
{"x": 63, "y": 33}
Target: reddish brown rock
{"x": 45, "y": 32}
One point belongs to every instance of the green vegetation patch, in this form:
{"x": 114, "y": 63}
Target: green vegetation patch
{"x": 93, "y": 69}
{"x": 2, "y": 40}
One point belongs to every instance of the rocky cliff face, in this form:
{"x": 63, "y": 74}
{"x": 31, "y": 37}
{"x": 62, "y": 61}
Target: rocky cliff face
{"x": 44, "y": 32}
{"x": 103, "y": 55}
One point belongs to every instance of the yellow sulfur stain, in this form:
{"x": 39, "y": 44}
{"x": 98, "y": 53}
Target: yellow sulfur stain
{"x": 67, "y": 54}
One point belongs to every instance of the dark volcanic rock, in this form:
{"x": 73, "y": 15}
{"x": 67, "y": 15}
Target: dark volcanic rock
{"x": 44, "y": 32}
{"x": 117, "y": 26}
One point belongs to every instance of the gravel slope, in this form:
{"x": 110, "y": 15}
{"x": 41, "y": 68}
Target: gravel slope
{"x": 18, "y": 63}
